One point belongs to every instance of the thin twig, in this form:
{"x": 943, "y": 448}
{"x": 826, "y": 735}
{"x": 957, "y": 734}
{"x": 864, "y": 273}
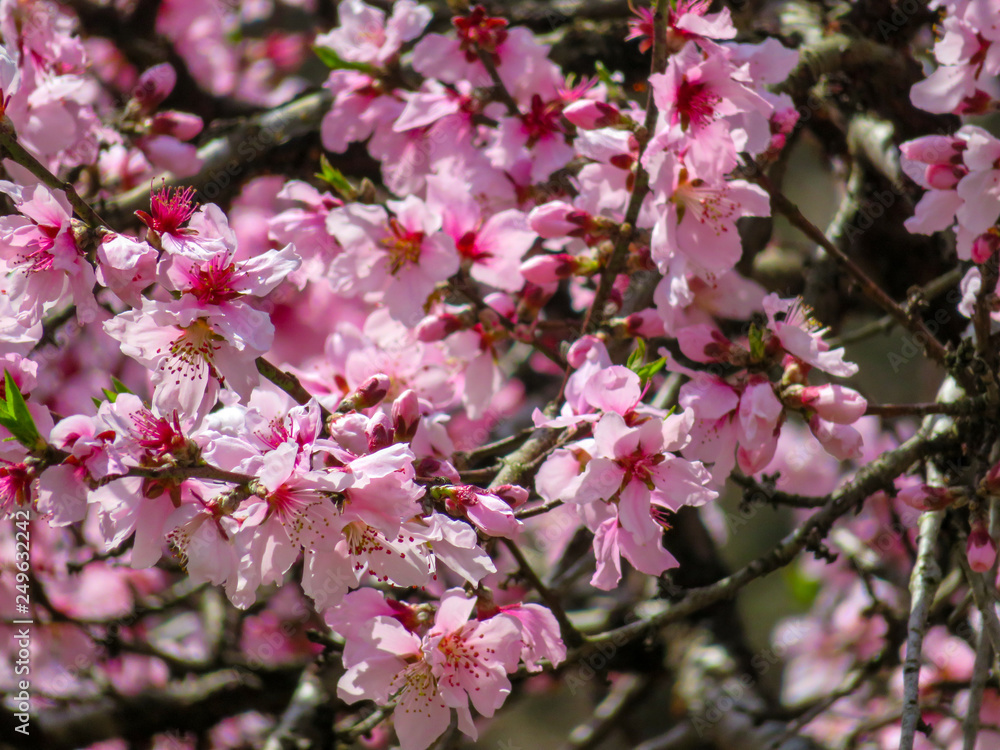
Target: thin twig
{"x": 627, "y": 231}
{"x": 538, "y": 510}
{"x": 17, "y": 152}
{"x": 962, "y": 407}
{"x": 970, "y": 726}
{"x": 876, "y": 475}
{"x": 570, "y": 634}
{"x": 777, "y": 496}
{"x": 934, "y": 348}
{"x": 622, "y": 696}
{"x": 499, "y": 87}
{"x": 923, "y": 583}
{"x": 928, "y": 291}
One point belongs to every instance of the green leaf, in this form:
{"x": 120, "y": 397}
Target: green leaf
{"x": 606, "y": 77}
{"x": 14, "y": 415}
{"x": 335, "y": 179}
{"x": 802, "y": 588}
{"x": 648, "y": 371}
{"x": 335, "y": 62}
{"x": 120, "y": 387}
{"x": 636, "y": 358}
{"x": 756, "y": 337}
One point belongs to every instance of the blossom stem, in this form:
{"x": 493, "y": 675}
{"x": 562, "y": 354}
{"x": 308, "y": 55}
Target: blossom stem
{"x": 289, "y": 384}
{"x": 627, "y": 229}
{"x": 570, "y": 634}
{"x": 16, "y": 152}
{"x": 538, "y": 510}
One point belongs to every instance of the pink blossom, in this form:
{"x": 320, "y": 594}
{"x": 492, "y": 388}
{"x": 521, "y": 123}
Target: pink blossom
{"x": 521, "y": 62}
{"x": 192, "y": 350}
{"x": 41, "y": 253}
{"x": 841, "y": 441}
{"x": 126, "y": 267}
{"x": 698, "y": 219}
{"x": 834, "y": 403}
{"x": 484, "y": 509}
{"x": 802, "y": 337}
{"x": 396, "y": 259}
{"x": 540, "y": 635}
{"x": 456, "y": 661}
{"x": 364, "y": 36}
{"x": 492, "y": 244}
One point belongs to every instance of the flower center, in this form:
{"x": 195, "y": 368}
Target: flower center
{"x": 402, "y": 245}
{"x": 696, "y": 104}
{"x": 213, "y": 283}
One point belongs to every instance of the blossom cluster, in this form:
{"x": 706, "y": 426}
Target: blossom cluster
{"x": 311, "y": 400}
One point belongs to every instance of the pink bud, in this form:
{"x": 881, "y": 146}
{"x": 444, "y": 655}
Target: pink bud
{"x": 784, "y": 120}
{"x": 933, "y": 149}
{"x": 835, "y": 403}
{"x": 645, "y": 323}
{"x": 581, "y": 349}
{"x": 534, "y": 298}
{"x": 703, "y": 343}
{"x": 985, "y": 246}
{"x": 379, "y": 432}
{"x": 840, "y": 441}
{"x": 369, "y": 393}
{"x": 991, "y": 482}
{"x": 433, "y": 467}
{"x": 556, "y": 219}
{"x": 436, "y": 327}
{"x": 154, "y": 86}
{"x": 180, "y": 125}
{"x": 502, "y": 303}
{"x": 548, "y": 269}
{"x": 511, "y": 494}
{"x": 924, "y": 497}
{"x": 406, "y": 414}
{"x": 980, "y": 549}
{"x": 589, "y": 114}
{"x": 944, "y": 176}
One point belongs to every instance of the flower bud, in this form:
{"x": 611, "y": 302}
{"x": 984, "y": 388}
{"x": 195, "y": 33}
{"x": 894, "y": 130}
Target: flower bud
{"x": 985, "y": 247}
{"x": 501, "y": 302}
{"x": 834, "y": 403}
{"x": 557, "y": 219}
{"x": 154, "y": 86}
{"x": 924, "y": 497}
{"x": 645, "y": 323}
{"x": 180, "y": 125}
{"x": 406, "y": 415}
{"x": 436, "y": 327}
{"x": 369, "y": 393}
{"x": 548, "y": 269}
{"x": 840, "y": 441}
{"x": 379, "y": 432}
{"x": 980, "y": 548}
{"x": 511, "y": 494}
{"x": 588, "y": 114}
{"x": 433, "y": 467}
{"x": 933, "y": 149}
{"x": 944, "y": 176}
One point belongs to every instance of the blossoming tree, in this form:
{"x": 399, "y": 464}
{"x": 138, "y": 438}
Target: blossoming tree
{"x": 369, "y": 368}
